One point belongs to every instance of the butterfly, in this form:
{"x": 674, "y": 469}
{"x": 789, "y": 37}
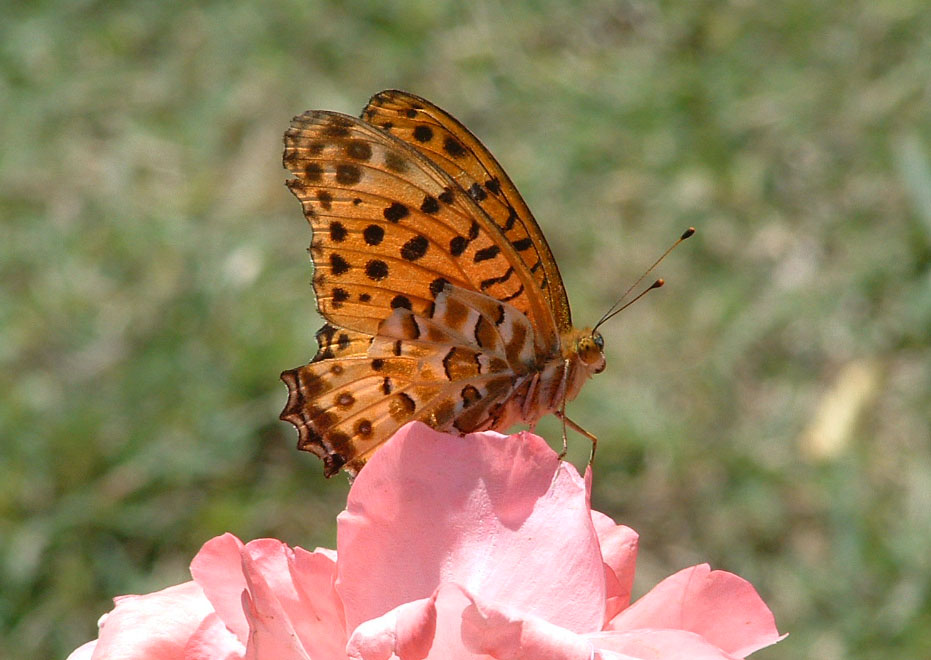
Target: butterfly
{"x": 443, "y": 302}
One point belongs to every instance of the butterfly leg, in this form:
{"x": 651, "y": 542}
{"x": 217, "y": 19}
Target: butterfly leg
{"x": 578, "y": 429}
{"x": 561, "y": 413}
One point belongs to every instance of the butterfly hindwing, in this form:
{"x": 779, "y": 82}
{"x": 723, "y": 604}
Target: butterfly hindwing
{"x": 452, "y": 370}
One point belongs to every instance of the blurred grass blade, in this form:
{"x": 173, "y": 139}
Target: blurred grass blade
{"x": 915, "y": 170}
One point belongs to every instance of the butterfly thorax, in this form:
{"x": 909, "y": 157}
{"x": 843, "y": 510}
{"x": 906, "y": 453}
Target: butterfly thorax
{"x": 555, "y": 379}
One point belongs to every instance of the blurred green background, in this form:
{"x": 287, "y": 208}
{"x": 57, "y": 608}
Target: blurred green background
{"x": 768, "y": 411}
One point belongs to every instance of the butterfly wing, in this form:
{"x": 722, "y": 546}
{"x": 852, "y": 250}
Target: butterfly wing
{"x": 449, "y": 144}
{"x": 390, "y": 228}
{"x": 453, "y": 368}
{"x": 393, "y": 231}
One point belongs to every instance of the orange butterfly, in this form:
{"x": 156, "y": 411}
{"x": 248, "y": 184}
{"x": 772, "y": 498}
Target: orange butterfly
{"x": 442, "y": 298}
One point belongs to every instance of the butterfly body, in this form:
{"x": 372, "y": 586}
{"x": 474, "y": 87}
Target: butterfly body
{"x": 444, "y": 303}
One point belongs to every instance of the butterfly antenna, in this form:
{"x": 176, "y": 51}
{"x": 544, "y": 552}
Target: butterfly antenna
{"x": 614, "y": 309}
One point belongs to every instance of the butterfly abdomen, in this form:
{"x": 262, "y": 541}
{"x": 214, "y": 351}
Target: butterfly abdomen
{"x": 540, "y": 392}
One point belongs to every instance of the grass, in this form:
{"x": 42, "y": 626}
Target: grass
{"x": 767, "y": 411}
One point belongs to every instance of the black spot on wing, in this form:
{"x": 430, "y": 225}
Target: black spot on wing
{"x": 338, "y": 232}
{"x": 358, "y": 150}
{"x": 348, "y": 174}
{"x": 396, "y": 212}
{"x": 453, "y": 147}
{"x": 457, "y": 245}
{"x": 415, "y": 248}
{"x": 373, "y": 234}
{"x": 376, "y": 269}
{"x": 325, "y": 199}
{"x": 523, "y": 244}
{"x": 487, "y": 253}
{"x": 339, "y": 297}
{"x": 430, "y": 205}
{"x": 477, "y": 193}
{"x": 395, "y": 162}
{"x": 337, "y": 127}
{"x": 364, "y": 428}
{"x": 338, "y": 265}
{"x": 313, "y": 172}
{"x": 400, "y": 301}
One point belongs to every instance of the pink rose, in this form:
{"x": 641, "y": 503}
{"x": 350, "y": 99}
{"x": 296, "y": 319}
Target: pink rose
{"x": 449, "y": 547}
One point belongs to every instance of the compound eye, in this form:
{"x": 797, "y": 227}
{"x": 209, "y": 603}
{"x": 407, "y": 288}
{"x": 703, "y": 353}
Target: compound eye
{"x": 588, "y": 350}
{"x": 599, "y": 341}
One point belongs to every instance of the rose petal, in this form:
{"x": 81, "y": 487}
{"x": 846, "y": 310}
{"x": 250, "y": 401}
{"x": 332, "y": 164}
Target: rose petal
{"x": 270, "y": 632}
{"x": 326, "y": 552}
{"x": 618, "y": 547}
{"x": 217, "y": 568}
{"x": 291, "y": 603}
{"x": 320, "y": 623}
{"x": 155, "y": 626}
{"x": 619, "y": 550}
{"x": 721, "y": 607}
{"x": 658, "y": 644}
{"x": 213, "y": 641}
{"x": 406, "y": 632}
{"x": 83, "y": 652}
{"x": 294, "y": 587}
{"x": 507, "y": 635}
{"x": 497, "y": 514}
{"x": 453, "y": 625}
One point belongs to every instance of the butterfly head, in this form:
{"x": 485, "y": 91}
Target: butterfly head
{"x": 590, "y": 348}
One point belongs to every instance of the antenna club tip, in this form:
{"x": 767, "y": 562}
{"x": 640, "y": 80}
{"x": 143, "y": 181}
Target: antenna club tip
{"x": 688, "y": 232}
{"x": 658, "y": 283}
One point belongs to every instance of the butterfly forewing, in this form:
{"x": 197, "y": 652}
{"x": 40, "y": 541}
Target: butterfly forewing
{"x": 457, "y": 151}
{"x": 390, "y": 227}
